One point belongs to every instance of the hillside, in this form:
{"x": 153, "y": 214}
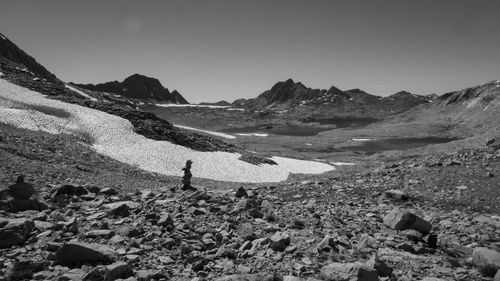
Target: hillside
{"x": 140, "y": 87}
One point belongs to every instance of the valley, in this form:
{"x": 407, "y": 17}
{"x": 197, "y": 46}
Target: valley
{"x": 296, "y": 184}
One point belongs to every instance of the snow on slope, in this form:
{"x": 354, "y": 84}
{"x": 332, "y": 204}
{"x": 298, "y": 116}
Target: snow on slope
{"x": 114, "y": 137}
{"x": 80, "y": 92}
{"x": 222, "y": 135}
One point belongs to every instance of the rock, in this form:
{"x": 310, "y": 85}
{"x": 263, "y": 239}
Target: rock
{"x": 100, "y": 233}
{"x": 166, "y": 220}
{"x": 432, "y": 279}
{"x": 149, "y": 274}
{"x": 241, "y": 192}
{"x": 245, "y": 231}
{"x": 348, "y": 272}
{"x": 292, "y": 278}
{"x": 108, "y": 191}
{"x": 69, "y": 189}
{"x": 122, "y": 208}
{"x": 18, "y": 205}
{"x": 14, "y": 232}
{"x": 118, "y": 270}
{"x": 497, "y": 276}
{"x": 376, "y": 263}
{"x": 245, "y": 204}
{"x": 279, "y": 241}
{"x": 75, "y": 253}
{"x": 327, "y": 244}
{"x": 396, "y": 195}
{"x": 21, "y": 189}
{"x": 486, "y": 260}
{"x": 401, "y": 220}
{"x": 247, "y": 277}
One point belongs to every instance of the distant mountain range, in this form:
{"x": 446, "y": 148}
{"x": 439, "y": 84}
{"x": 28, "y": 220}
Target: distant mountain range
{"x": 295, "y": 96}
{"x": 140, "y": 87}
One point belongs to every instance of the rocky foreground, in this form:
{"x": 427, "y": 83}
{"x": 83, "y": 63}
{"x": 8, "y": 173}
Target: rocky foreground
{"x": 294, "y": 231}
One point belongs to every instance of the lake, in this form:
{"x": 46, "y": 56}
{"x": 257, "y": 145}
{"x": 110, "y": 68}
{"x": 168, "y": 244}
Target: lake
{"x": 374, "y": 146}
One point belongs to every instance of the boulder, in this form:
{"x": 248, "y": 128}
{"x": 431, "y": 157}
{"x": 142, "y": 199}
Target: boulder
{"x": 241, "y": 192}
{"x": 279, "y": 241}
{"x": 376, "y": 263}
{"x": 166, "y": 220}
{"x": 401, "y": 220}
{"x": 396, "y": 195}
{"x": 14, "y": 232}
{"x": 247, "y": 277}
{"x": 76, "y": 253}
{"x": 348, "y": 272}
{"x": 118, "y": 270}
{"x": 486, "y": 260}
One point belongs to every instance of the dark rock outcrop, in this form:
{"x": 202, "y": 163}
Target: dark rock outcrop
{"x": 140, "y": 87}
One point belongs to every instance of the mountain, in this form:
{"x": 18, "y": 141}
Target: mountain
{"x": 14, "y": 54}
{"x": 470, "y": 111}
{"x": 294, "y": 96}
{"x": 140, "y": 87}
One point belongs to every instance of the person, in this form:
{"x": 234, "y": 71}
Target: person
{"x": 186, "y": 179}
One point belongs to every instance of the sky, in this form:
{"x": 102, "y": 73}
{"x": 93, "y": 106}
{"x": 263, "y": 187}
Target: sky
{"x": 210, "y": 50}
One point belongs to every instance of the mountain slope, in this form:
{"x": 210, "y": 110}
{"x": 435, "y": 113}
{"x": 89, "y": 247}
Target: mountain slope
{"x": 13, "y": 53}
{"x": 468, "y": 112}
{"x": 296, "y": 97}
{"x": 138, "y": 86}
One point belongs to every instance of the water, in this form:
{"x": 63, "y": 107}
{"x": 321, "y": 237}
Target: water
{"x": 277, "y": 129}
{"x": 374, "y": 146}
{"x": 344, "y": 122}
{"x": 303, "y": 131}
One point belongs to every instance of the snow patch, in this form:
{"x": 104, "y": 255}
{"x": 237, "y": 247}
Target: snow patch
{"x": 114, "y": 136}
{"x": 191, "y": 105}
{"x": 253, "y": 134}
{"x": 342, "y": 164}
{"x": 222, "y": 135}
{"x": 81, "y": 93}
{"x": 360, "y": 139}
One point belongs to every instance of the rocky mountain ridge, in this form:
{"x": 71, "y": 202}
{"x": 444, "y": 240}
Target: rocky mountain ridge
{"x": 11, "y": 52}
{"x": 140, "y": 87}
{"x": 294, "y": 96}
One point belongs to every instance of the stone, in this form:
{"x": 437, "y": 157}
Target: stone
{"x": 241, "y": 192}
{"x": 108, "y": 191}
{"x": 245, "y": 231}
{"x": 348, "y": 272}
{"x": 14, "y": 232}
{"x": 100, "y": 233}
{"x": 401, "y": 220}
{"x": 382, "y": 269}
{"x": 292, "y": 278}
{"x": 327, "y": 244}
{"x": 247, "y": 277}
{"x": 432, "y": 279}
{"x": 486, "y": 260}
{"x": 279, "y": 241}
{"x": 166, "y": 220}
{"x": 69, "y": 189}
{"x": 118, "y": 270}
{"x": 149, "y": 274}
{"x": 396, "y": 195}
{"x": 75, "y": 253}
{"x": 497, "y": 276}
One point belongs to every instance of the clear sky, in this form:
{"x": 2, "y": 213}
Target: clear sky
{"x": 226, "y": 49}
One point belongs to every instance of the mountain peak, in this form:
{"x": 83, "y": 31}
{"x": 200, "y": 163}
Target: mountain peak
{"x": 139, "y": 86}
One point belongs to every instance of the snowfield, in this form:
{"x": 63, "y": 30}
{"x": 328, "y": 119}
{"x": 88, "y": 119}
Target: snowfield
{"x": 114, "y": 136}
